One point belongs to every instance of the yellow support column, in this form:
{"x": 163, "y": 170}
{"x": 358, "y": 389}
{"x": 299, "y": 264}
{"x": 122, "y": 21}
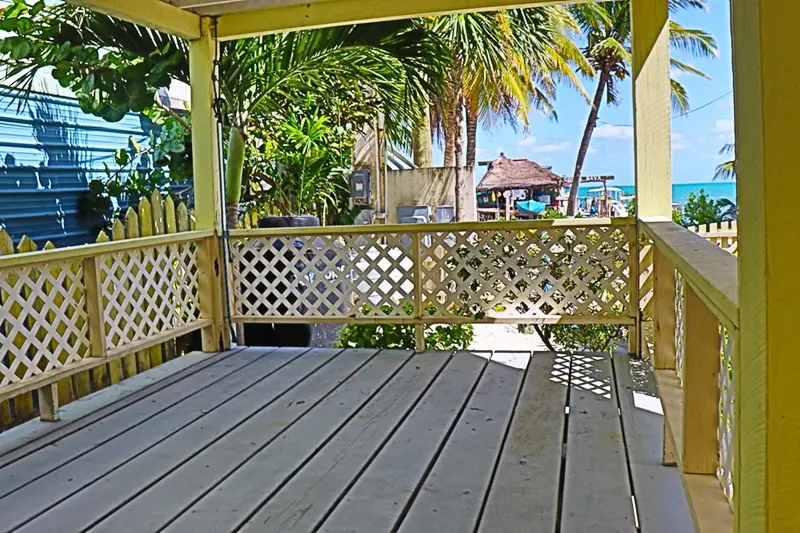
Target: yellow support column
{"x": 651, "y": 102}
{"x": 766, "y": 77}
{"x": 207, "y": 182}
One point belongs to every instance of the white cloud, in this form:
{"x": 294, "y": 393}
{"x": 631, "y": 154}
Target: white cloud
{"x": 530, "y": 140}
{"x": 678, "y": 142}
{"x": 610, "y": 131}
{"x": 550, "y": 148}
{"x": 592, "y": 150}
{"x": 723, "y": 127}
{"x": 480, "y": 151}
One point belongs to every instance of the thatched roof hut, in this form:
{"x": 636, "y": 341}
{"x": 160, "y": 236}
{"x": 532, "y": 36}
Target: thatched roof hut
{"x": 509, "y": 174}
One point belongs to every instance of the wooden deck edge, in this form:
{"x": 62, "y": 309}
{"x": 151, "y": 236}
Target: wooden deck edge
{"x": 53, "y": 376}
{"x": 711, "y": 512}
{"x": 32, "y": 430}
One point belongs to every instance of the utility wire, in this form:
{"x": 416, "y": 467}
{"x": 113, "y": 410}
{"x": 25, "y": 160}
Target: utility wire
{"x": 686, "y": 114}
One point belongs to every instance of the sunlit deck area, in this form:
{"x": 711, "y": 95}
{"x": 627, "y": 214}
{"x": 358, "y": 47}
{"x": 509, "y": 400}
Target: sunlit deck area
{"x": 303, "y": 440}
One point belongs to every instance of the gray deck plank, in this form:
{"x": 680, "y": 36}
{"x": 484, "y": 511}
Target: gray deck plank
{"x": 148, "y": 512}
{"x": 255, "y": 412}
{"x": 378, "y": 497}
{"x": 305, "y": 500}
{"x": 525, "y": 488}
{"x": 49, "y": 433}
{"x": 231, "y": 501}
{"x": 660, "y": 498}
{"x": 597, "y": 493}
{"x": 26, "y": 469}
{"x": 30, "y": 500}
{"x": 451, "y": 497}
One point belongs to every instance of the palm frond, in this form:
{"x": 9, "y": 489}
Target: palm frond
{"x": 679, "y": 97}
{"x": 682, "y": 66}
{"x": 696, "y": 42}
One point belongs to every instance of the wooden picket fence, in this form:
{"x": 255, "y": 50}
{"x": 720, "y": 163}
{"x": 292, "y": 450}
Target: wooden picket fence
{"x": 155, "y": 216}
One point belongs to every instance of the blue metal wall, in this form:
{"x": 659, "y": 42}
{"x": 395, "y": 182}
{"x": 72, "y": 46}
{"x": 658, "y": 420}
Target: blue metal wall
{"x": 49, "y": 151}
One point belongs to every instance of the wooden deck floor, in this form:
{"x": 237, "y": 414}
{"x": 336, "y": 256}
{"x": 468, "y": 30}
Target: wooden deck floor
{"x": 291, "y": 440}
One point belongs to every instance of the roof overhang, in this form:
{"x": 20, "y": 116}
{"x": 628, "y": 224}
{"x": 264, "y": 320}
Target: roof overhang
{"x": 248, "y": 18}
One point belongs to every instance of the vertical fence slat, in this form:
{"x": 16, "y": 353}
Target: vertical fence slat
{"x": 419, "y": 306}
{"x": 133, "y": 224}
{"x": 23, "y": 404}
{"x": 157, "y": 226}
{"x": 97, "y": 334}
{"x": 65, "y": 388}
{"x": 664, "y": 305}
{"x": 634, "y": 331}
{"x": 170, "y": 226}
{"x": 700, "y": 386}
{"x": 6, "y": 248}
{"x": 118, "y": 234}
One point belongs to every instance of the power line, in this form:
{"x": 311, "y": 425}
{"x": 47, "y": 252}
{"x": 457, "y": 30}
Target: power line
{"x": 686, "y": 114}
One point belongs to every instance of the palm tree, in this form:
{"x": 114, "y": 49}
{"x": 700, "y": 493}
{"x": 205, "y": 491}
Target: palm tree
{"x": 726, "y": 170}
{"x": 608, "y": 48}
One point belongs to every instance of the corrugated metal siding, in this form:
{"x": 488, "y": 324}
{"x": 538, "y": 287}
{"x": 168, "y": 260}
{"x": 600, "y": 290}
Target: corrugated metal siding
{"x": 49, "y": 151}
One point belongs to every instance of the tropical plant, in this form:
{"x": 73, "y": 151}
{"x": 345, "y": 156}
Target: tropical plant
{"x": 115, "y": 67}
{"x": 701, "y": 209}
{"x": 727, "y": 169}
{"x": 387, "y": 336}
{"x": 607, "y": 32}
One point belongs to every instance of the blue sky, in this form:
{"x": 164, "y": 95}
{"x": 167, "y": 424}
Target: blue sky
{"x": 696, "y": 140}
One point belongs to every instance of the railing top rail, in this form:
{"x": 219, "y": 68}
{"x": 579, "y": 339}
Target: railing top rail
{"x": 712, "y": 272}
{"x": 436, "y": 228}
{"x": 91, "y": 250}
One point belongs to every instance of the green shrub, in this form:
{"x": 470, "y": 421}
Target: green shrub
{"x": 582, "y": 337}
{"x": 437, "y": 337}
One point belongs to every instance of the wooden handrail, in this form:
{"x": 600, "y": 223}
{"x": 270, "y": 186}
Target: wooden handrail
{"x": 521, "y": 225}
{"x": 711, "y": 271}
{"x": 92, "y": 250}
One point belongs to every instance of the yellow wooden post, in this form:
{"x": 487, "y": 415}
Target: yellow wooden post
{"x": 207, "y": 184}
{"x": 664, "y": 310}
{"x": 651, "y": 102}
{"x": 634, "y": 331}
{"x": 700, "y": 386}
{"x": 766, "y": 77}
{"x": 118, "y": 234}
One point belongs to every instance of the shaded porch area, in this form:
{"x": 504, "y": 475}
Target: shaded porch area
{"x": 354, "y": 440}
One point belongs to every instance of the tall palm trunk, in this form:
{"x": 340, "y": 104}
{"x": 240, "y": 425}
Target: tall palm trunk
{"x": 472, "y": 134}
{"x": 458, "y": 141}
{"x": 591, "y": 124}
{"x": 450, "y": 119}
{"x": 421, "y": 142}
{"x": 233, "y": 176}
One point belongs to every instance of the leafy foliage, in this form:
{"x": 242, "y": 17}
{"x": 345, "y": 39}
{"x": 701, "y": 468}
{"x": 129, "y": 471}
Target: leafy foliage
{"x": 438, "y": 337}
{"x": 592, "y": 338}
{"x": 701, "y": 209}
{"x": 727, "y": 169}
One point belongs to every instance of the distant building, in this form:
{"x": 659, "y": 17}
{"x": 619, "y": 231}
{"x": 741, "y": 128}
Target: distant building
{"x": 517, "y": 186}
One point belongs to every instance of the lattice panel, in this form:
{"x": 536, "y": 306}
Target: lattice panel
{"x": 727, "y": 404}
{"x": 149, "y": 291}
{"x": 366, "y": 275}
{"x": 574, "y": 272}
{"x": 680, "y": 325}
{"x": 43, "y": 319}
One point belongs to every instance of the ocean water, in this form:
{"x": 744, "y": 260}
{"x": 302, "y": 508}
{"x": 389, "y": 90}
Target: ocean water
{"x": 717, "y": 190}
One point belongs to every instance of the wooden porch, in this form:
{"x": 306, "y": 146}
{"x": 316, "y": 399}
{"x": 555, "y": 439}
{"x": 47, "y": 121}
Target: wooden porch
{"x": 357, "y": 440}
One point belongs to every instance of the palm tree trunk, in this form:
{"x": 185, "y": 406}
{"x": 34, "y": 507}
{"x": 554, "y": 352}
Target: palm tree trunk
{"x": 472, "y": 135}
{"x": 421, "y": 142}
{"x": 233, "y": 176}
{"x": 458, "y": 141}
{"x": 591, "y": 124}
{"x": 450, "y": 108}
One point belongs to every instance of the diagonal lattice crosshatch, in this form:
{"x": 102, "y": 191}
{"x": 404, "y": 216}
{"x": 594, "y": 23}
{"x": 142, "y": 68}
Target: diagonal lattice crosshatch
{"x": 149, "y": 291}
{"x": 680, "y": 323}
{"x": 574, "y": 272}
{"x": 324, "y": 275}
{"x": 43, "y": 319}
{"x": 727, "y": 408}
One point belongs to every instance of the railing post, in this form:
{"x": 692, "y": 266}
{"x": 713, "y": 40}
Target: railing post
{"x": 48, "y": 403}
{"x": 700, "y": 387}
{"x": 664, "y": 311}
{"x": 634, "y": 331}
{"x": 211, "y": 294}
{"x": 94, "y": 306}
{"x": 419, "y": 307}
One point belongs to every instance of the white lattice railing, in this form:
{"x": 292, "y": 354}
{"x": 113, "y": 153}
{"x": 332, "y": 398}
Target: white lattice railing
{"x": 67, "y": 310}
{"x": 575, "y": 271}
{"x": 702, "y": 300}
